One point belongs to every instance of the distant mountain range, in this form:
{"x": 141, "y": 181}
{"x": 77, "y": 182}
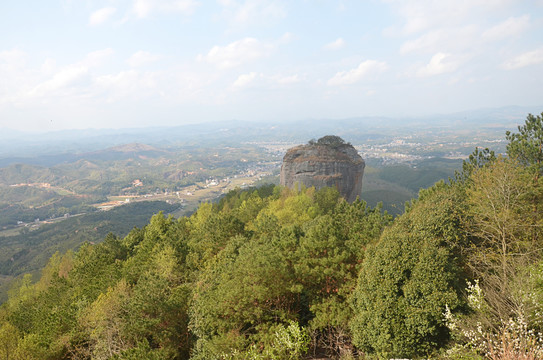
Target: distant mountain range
{"x": 16, "y": 146}
{"x": 119, "y": 152}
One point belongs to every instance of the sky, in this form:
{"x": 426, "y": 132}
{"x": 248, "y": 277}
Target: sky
{"x": 77, "y": 64}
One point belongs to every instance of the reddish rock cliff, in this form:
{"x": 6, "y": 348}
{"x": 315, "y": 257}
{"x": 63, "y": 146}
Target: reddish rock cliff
{"x": 321, "y": 164}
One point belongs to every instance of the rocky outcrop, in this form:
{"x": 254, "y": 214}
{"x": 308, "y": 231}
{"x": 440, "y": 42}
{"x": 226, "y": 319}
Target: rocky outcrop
{"x": 324, "y": 163}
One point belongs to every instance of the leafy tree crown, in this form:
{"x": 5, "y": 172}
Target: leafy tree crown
{"x": 527, "y": 145}
{"x": 329, "y": 140}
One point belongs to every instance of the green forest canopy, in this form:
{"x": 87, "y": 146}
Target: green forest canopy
{"x": 276, "y": 274}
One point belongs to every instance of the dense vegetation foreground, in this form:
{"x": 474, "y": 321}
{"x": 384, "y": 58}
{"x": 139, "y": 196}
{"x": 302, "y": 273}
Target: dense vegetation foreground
{"x": 276, "y": 274}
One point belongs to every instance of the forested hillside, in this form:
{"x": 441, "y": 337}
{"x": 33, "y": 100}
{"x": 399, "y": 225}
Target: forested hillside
{"x": 26, "y": 251}
{"x": 30, "y": 250}
{"x": 276, "y": 274}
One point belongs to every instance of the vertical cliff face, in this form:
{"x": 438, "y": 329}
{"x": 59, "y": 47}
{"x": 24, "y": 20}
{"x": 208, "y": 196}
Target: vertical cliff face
{"x": 321, "y": 164}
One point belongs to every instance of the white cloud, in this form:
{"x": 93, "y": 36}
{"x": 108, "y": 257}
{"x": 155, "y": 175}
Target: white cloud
{"x": 131, "y": 84}
{"x": 237, "y": 53}
{"x": 97, "y": 58}
{"x": 453, "y": 39}
{"x": 286, "y": 38}
{"x": 241, "y": 13}
{"x": 424, "y": 15}
{"x": 510, "y": 27}
{"x": 253, "y": 79}
{"x": 65, "y": 78}
{"x": 100, "y": 16}
{"x": 472, "y": 28}
{"x": 335, "y": 45}
{"x": 48, "y": 66}
{"x": 87, "y": 84}
{"x": 71, "y": 76}
{"x": 438, "y": 65}
{"x": 526, "y": 59}
{"x": 144, "y": 8}
{"x": 428, "y": 40}
{"x": 292, "y": 79}
{"x": 11, "y": 56}
{"x": 142, "y": 58}
{"x": 246, "y": 79}
{"x": 15, "y": 75}
{"x": 355, "y": 75}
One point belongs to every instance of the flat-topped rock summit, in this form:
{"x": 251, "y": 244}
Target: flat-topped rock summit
{"x": 329, "y": 161}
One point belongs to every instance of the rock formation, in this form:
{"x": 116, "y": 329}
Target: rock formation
{"x": 326, "y": 162}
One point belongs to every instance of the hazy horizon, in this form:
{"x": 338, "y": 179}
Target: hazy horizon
{"x": 517, "y": 115}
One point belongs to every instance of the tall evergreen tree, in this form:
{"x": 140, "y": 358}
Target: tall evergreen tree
{"x": 527, "y": 144}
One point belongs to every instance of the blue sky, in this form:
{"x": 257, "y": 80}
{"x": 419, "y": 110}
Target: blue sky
{"x": 133, "y": 63}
